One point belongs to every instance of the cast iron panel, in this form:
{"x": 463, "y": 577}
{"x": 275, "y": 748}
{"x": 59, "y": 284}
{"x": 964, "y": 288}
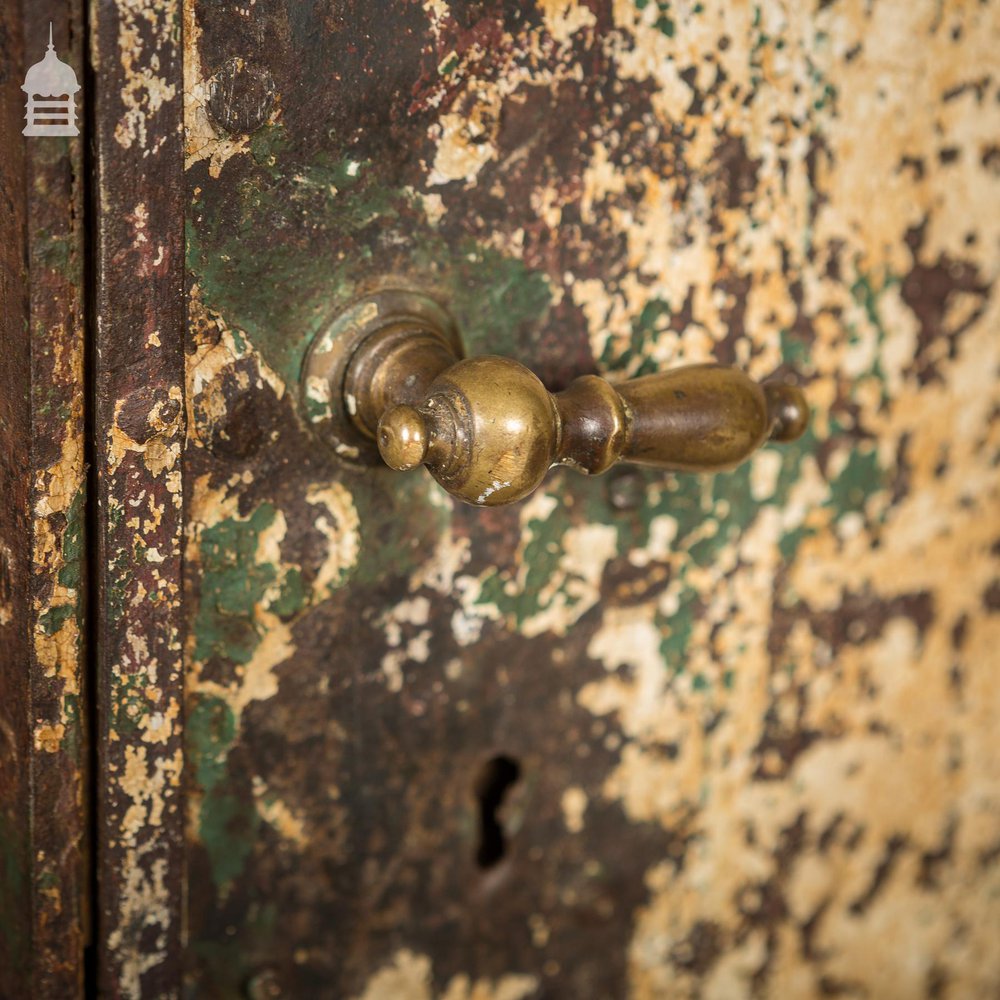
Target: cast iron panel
{"x": 745, "y": 721}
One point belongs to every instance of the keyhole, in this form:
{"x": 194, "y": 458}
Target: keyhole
{"x": 495, "y": 779}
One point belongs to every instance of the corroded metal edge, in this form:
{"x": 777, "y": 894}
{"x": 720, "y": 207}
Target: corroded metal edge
{"x": 139, "y": 429}
{"x": 44, "y": 813}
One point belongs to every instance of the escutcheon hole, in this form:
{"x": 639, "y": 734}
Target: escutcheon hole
{"x": 495, "y": 780}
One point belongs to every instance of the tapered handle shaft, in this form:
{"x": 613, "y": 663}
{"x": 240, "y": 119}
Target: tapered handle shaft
{"x": 488, "y": 430}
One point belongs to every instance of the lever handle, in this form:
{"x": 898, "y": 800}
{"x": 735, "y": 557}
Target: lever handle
{"x": 488, "y": 430}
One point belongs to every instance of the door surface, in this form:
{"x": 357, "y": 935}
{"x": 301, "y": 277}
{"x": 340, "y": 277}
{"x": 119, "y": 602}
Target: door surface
{"x": 641, "y": 735}
{"x": 750, "y": 715}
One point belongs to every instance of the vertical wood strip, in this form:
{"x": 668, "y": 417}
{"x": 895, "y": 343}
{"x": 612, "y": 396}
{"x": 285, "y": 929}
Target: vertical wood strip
{"x": 15, "y": 573}
{"x": 43, "y": 808}
{"x": 58, "y": 719}
{"x": 139, "y": 429}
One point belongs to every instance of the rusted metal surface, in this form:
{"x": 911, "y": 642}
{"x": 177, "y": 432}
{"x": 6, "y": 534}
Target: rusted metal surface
{"x": 750, "y": 717}
{"x": 139, "y": 430}
{"x": 43, "y": 814}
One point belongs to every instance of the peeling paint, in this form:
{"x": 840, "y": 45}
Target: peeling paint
{"x": 142, "y": 28}
{"x": 752, "y": 713}
{"x": 409, "y": 978}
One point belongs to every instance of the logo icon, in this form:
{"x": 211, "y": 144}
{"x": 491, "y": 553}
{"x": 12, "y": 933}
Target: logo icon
{"x": 50, "y": 86}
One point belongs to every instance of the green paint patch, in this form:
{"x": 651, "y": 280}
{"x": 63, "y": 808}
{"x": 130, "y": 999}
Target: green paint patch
{"x": 356, "y": 226}
{"x": 794, "y": 351}
{"x": 790, "y": 541}
{"x": 293, "y": 596}
{"x": 677, "y": 628}
{"x": 498, "y": 302}
{"x": 238, "y": 580}
{"x": 72, "y": 542}
{"x": 122, "y": 565}
{"x": 227, "y": 819}
{"x": 664, "y": 22}
{"x": 633, "y": 358}
{"x": 52, "y": 620}
{"x": 343, "y": 199}
{"x": 268, "y": 144}
{"x": 234, "y": 582}
{"x": 867, "y": 290}
{"x": 401, "y": 527}
{"x": 54, "y": 251}
{"x": 695, "y": 503}
{"x": 228, "y": 827}
{"x": 521, "y": 599}
{"x": 860, "y": 477}
{"x": 827, "y": 97}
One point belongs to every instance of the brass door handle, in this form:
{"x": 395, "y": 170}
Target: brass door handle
{"x": 488, "y": 430}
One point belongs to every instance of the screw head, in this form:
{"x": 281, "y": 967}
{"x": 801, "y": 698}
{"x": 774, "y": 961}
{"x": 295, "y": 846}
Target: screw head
{"x": 265, "y": 985}
{"x": 240, "y": 96}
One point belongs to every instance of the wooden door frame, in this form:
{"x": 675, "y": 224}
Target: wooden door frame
{"x": 44, "y": 745}
{"x": 92, "y": 327}
{"x": 139, "y": 421}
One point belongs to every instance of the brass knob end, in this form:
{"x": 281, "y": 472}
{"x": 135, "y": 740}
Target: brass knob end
{"x": 788, "y": 410}
{"x": 402, "y": 438}
{"x": 488, "y": 430}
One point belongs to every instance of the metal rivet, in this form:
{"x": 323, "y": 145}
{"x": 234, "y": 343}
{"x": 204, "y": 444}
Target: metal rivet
{"x": 147, "y": 412}
{"x": 240, "y": 96}
{"x": 235, "y": 412}
{"x": 263, "y": 986}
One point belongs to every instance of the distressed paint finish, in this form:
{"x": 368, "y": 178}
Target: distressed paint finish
{"x": 45, "y": 904}
{"x": 754, "y": 714}
{"x": 139, "y": 431}
{"x": 15, "y": 536}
